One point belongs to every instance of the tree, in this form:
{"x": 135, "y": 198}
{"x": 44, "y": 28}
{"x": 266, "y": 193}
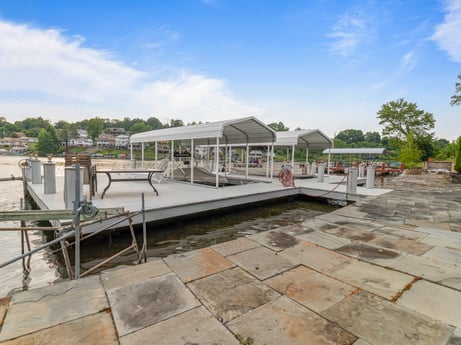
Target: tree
{"x": 47, "y": 141}
{"x": 278, "y": 127}
{"x": 456, "y": 99}
{"x": 154, "y": 123}
{"x": 458, "y": 157}
{"x": 401, "y": 118}
{"x": 95, "y": 127}
{"x": 140, "y": 127}
{"x": 176, "y": 123}
{"x": 350, "y": 136}
{"x": 410, "y": 154}
{"x": 373, "y": 137}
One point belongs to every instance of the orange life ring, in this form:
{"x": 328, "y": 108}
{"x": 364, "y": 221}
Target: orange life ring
{"x": 286, "y": 178}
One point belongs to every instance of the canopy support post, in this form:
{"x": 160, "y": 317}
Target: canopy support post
{"x": 142, "y": 155}
{"x": 191, "y": 162}
{"x": 247, "y": 159}
{"x": 216, "y": 159}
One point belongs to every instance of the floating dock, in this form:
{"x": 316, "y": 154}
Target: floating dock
{"x": 179, "y": 199}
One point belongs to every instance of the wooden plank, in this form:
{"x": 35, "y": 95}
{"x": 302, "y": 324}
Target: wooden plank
{"x": 50, "y": 214}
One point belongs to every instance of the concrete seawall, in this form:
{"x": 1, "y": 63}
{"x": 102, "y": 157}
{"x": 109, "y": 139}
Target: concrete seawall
{"x": 384, "y": 270}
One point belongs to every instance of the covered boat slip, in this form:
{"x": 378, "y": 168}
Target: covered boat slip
{"x": 244, "y": 131}
{"x": 230, "y": 134}
{"x": 178, "y": 199}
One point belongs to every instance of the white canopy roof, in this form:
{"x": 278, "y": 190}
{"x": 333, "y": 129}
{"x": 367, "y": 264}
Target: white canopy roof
{"x": 372, "y": 151}
{"x": 310, "y": 138}
{"x": 246, "y": 130}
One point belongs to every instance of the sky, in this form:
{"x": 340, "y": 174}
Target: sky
{"x": 311, "y": 64}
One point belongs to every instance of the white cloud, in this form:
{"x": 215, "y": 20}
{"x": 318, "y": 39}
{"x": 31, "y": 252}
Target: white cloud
{"x": 408, "y": 62}
{"x": 48, "y": 74}
{"x": 448, "y": 34}
{"x": 347, "y": 33}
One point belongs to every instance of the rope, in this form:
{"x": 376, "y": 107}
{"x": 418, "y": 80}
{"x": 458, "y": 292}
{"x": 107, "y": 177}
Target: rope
{"x": 326, "y": 193}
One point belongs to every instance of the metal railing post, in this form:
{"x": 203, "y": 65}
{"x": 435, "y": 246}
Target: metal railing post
{"x": 77, "y": 220}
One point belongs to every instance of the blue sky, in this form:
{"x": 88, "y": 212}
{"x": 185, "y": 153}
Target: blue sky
{"x": 310, "y": 64}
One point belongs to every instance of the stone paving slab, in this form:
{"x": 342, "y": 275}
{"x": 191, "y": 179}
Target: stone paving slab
{"x": 262, "y": 262}
{"x": 283, "y": 321}
{"x": 439, "y": 241}
{"x": 427, "y": 224}
{"x": 380, "y": 322}
{"x": 314, "y": 290}
{"x": 41, "y": 308}
{"x": 350, "y": 211}
{"x": 314, "y": 224}
{"x": 197, "y": 264}
{"x": 341, "y": 220}
{"x": 439, "y": 232}
{"x": 442, "y": 272}
{"x": 404, "y": 232}
{"x": 231, "y": 293}
{"x": 376, "y": 279}
{"x": 448, "y": 255}
{"x": 401, "y": 244}
{"x": 236, "y": 246}
{"x": 352, "y": 234}
{"x": 440, "y": 303}
{"x": 128, "y": 275}
{"x": 296, "y": 229}
{"x": 275, "y": 240}
{"x": 369, "y": 253}
{"x": 148, "y": 302}
{"x": 324, "y": 239}
{"x": 313, "y": 256}
{"x": 3, "y": 308}
{"x": 96, "y": 329}
{"x": 196, "y": 326}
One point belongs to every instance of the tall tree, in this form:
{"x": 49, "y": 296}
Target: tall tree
{"x": 154, "y": 123}
{"x": 401, "y": 118}
{"x": 47, "y": 141}
{"x": 350, "y": 136}
{"x": 95, "y": 127}
{"x": 456, "y": 99}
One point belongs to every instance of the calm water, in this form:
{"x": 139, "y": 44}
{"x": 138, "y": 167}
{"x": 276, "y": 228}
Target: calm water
{"x": 162, "y": 239}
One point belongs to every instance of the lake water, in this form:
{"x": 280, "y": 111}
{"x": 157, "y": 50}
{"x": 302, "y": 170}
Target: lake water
{"x": 47, "y": 268}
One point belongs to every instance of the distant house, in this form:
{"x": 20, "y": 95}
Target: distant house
{"x": 8, "y": 141}
{"x": 82, "y": 134}
{"x": 115, "y": 131}
{"x": 122, "y": 141}
{"x": 81, "y": 142}
{"x": 105, "y": 141}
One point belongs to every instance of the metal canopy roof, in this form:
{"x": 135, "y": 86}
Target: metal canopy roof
{"x": 372, "y": 151}
{"x": 310, "y": 138}
{"x": 246, "y": 130}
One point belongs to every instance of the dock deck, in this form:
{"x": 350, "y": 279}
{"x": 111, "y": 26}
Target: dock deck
{"x": 177, "y": 199}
